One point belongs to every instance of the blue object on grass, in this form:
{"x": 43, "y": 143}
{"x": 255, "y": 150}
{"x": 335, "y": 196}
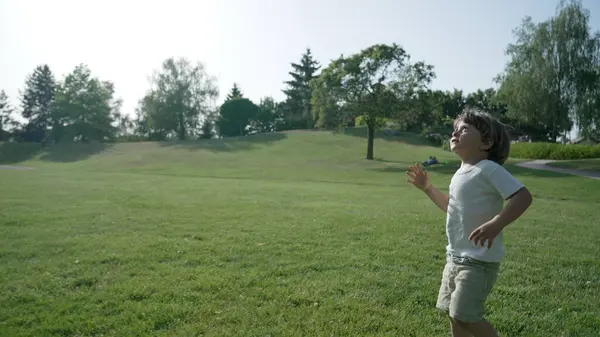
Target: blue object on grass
{"x": 431, "y": 161}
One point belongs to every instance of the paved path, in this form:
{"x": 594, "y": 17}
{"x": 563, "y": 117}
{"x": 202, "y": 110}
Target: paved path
{"x": 542, "y": 165}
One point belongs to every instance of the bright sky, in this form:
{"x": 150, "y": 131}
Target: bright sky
{"x": 252, "y": 42}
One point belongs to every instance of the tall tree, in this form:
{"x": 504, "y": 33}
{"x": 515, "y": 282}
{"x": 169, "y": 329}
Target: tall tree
{"x": 235, "y": 92}
{"x": 180, "y": 95}
{"x": 298, "y": 92}
{"x": 5, "y": 116}
{"x": 37, "y": 102}
{"x": 85, "y": 108}
{"x": 552, "y": 76}
{"x": 371, "y": 83}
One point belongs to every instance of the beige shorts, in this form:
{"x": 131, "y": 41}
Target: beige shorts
{"x": 466, "y": 284}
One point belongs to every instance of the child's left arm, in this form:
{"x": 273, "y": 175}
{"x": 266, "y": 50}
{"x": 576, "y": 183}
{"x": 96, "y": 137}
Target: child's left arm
{"x": 518, "y": 203}
{"x": 516, "y": 206}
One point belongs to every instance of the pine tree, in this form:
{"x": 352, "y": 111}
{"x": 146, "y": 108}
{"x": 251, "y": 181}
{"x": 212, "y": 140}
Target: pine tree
{"x": 298, "y": 94}
{"x": 235, "y": 92}
{"x": 37, "y": 102}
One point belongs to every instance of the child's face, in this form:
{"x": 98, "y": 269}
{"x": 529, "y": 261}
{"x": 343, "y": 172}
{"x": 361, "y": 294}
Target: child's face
{"x": 466, "y": 140}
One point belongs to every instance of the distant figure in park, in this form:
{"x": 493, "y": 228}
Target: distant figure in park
{"x": 431, "y": 161}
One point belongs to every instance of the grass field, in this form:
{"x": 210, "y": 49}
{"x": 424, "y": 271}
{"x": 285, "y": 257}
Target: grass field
{"x": 286, "y": 234}
{"x": 583, "y": 164}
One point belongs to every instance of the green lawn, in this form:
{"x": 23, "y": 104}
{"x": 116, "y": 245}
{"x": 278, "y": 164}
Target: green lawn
{"x": 280, "y": 235}
{"x": 583, "y": 164}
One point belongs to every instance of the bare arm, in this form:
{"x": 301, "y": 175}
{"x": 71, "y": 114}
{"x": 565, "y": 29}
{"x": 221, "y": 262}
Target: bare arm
{"x": 419, "y": 178}
{"x": 516, "y": 206}
{"x": 438, "y": 198}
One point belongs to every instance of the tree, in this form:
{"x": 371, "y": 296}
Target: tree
{"x": 235, "y": 92}
{"x": 266, "y": 117}
{"x": 37, "y": 102}
{"x": 147, "y": 127}
{"x": 180, "y": 95}
{"x": 207, "y": 129}
{"x": 85, "y": 108}
{"x": 454, "y": 103}
{"x": 124, "y": 124}
{"x": 208, "y": 125}
{"x": 481, "y": 99}
{"x": 298, "y": 93}
{"x": 327, "y": 108}
{"x": 5, "y": 116}
{"x": 371, "y": 83}
{"x": 488, "y": 100}
{"x": 235, "y": 116}
{"x": 553, "y": 73}
{"x": 424, "y": 111}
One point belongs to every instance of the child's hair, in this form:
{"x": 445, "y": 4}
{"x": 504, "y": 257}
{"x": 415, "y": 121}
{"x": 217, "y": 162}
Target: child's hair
{"x": 491, "y": 129}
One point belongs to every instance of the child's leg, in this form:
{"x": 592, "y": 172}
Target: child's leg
{"x": 447, "y": 287}
{"x": 458, "y": 330}
{"x": 480, "y": 329}
{"x": 473, "y": 282}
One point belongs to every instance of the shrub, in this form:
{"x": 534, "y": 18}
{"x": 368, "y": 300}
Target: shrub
{"x": 554, "y": 151}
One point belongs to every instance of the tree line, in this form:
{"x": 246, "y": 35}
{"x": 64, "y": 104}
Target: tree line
{"x": 550, "y": 83}
{"x": 180, "y": 104}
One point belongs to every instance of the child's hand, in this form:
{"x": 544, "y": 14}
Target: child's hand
{"x": 418, "y": 177}
{"x": 487, "y": 231}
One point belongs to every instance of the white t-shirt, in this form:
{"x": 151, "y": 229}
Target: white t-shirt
{"x": 477, "y": 194}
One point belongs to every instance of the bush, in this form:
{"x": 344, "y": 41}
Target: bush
{"x": 554, "y": 151}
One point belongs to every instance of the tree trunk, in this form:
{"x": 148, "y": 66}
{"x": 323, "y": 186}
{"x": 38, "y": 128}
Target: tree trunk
{"x": 371, "y": 138}
{"x": 181, "y": 127}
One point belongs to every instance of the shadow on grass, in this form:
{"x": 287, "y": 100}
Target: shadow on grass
{"x": 452, "y": 166}
{"x": 12, "y": 153}
{"x": 229, "y": 144}
{"x": 72, "y": 152}
{"x": 410, "y": 138}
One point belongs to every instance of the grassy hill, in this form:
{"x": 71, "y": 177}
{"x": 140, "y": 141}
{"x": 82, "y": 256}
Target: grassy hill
{"x": 289, "y": 155}
{"x": 282, "y": 234}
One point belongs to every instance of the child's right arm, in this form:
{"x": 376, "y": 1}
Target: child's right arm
{"x": 421, "y": 181}
{"x": 438, "y": 198}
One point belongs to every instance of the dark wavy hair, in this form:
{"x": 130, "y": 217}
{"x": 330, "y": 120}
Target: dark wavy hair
{"x": 491, "y": 129}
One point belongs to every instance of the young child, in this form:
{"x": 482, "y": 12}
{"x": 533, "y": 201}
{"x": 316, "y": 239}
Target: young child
{"x": 475, "y": 218}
